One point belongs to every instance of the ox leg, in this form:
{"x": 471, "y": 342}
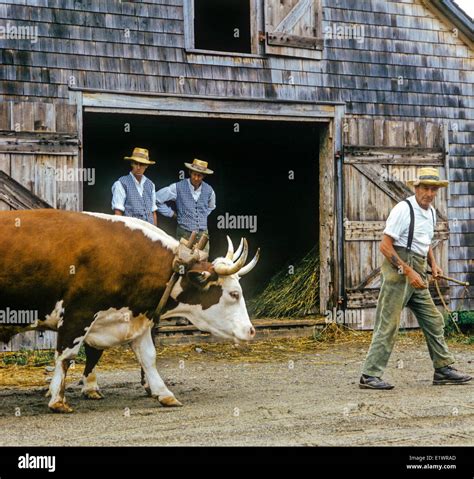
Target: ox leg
{"x": 68, "y": 346}
{"x": 144, "y": 349}
{"x": 90, "y": 389}
{"x": 143, "y": 381}
{"x": 57, "y": 387}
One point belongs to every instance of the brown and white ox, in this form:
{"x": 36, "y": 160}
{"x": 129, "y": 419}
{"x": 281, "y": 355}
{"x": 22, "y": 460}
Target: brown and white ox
{"x": 96, "y": 279}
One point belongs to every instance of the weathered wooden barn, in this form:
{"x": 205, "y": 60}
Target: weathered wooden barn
{"x": 349, "y": 95}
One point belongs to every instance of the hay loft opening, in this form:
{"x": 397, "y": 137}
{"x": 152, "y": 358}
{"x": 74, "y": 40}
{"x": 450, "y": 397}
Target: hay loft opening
{"x": 222, "y": 26}
{"x": 266, "y": 174}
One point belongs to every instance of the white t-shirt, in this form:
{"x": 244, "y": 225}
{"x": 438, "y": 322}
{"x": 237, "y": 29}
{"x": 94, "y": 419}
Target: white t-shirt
{"x": 398, "y": 224}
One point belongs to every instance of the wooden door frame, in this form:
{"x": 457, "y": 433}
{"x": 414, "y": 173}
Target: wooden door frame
{"x": 330, "y": 115}
{"x": 256, "y": 22}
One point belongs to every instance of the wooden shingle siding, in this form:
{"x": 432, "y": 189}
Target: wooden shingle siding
{"x": 409, "y": 67}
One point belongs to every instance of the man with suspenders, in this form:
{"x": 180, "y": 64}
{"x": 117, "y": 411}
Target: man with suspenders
{"x": 406, "y": 245}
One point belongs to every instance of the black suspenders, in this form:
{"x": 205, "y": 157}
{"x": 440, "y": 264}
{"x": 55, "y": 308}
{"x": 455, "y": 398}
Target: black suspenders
{"x": 411, "y": 229}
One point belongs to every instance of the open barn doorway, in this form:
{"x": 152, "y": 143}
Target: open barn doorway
{"x": 267, "y": 171}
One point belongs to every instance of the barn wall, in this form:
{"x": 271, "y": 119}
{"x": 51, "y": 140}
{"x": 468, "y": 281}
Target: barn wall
{"x": 409, "y": 66}
{"x": 36, "y": 141}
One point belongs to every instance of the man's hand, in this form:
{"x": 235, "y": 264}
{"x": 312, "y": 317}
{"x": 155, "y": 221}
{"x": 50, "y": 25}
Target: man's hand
{"x": 436, "y": 271}
{"x": 387, "y": 249}
{"x": 415, "y": 279}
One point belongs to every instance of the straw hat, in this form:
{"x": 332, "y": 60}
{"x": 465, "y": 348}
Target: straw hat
{"x": 428, "y": 176}
{"x": 199, "y": 166}
{"x": 140, "y": 155}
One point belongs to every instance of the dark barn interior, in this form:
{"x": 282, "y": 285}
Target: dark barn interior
{"x": 252, "y": 168}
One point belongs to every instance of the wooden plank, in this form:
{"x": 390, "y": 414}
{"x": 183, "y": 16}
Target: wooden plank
{"x": 393, "y": 155}
{"x": 22, "y": 170}
{"x": 45, "y": 179}
{"x": 367, "y": 298}
{"x": 288, "y": 22}
{"x": 257, "y": 323}
{"x": 396, "y": 190}
{"x": 373, "y": 230}
{"x": 74, "y": 198}
{"x": 36, "y": 149}
{"x": 5, "y": 168}
{"x": 5, "y": 163}
{"x": 327, "y": 218}
{"x": 290, "y": 28}
{"x": 407, "y": 319}
{"x": 188, "y": 12}
{"x": 44, "y": 136}
{"x": 338, "y": 238}
{"x": 203, "y": 338}
{"x": 17, "y": 196}
{"x": 446, "y": 157}
{"x": 295, "y": 41}
{"x": 373, "y": 279}
{"x": 180, "y": 103}
{"x": 4, "y": 115}
{"x": 68, "y": 192}
{"x": 34, "y": 143}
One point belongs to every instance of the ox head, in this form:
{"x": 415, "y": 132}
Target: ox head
{"x": 209, "y": 295}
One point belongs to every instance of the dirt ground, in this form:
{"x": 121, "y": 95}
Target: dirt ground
{"x": 279, "y": 392}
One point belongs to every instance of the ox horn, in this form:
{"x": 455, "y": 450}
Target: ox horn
{"x": 246, "y": 269}
{"x": 227, "y": 270}
{"x": 192, "y": 240}
{"x": 230, "y": 249}
{"x": 239, "y": 250}
{"x": 202, "y": 242}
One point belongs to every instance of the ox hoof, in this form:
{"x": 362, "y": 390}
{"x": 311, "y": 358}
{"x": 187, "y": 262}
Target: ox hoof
{"x": 169, "y": 401}
{"x": 148, "y": 391}
{"x": 93, "y": 394}
{"x": 61, "y": 407}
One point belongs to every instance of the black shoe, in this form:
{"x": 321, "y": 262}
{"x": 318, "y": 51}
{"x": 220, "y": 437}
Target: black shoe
{"x": 372, "y": 382}
{"x": 182, "y": 322}
{"x": 449, "y": 375}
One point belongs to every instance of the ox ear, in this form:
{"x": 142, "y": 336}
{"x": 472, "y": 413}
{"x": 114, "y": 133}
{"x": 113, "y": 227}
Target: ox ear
{"x": 199, "y": 278}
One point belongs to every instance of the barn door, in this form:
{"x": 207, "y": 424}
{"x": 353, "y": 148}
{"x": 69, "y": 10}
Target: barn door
{"x": 374, "y": 182}
{"x": 292, "y": 28}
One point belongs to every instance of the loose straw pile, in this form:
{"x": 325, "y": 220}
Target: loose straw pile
{"x": 289, "y": 294}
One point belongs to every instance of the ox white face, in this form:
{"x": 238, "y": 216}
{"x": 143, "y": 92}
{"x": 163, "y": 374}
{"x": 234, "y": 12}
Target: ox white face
{"x": 227, "y": 319}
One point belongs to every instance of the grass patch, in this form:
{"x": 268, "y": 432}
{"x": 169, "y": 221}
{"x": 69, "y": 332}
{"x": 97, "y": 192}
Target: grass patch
{"x": 36, "y": 358}
{"x": 459, "y": 326}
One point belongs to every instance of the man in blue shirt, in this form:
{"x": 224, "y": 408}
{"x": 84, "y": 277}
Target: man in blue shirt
{"x": 134, "y": 194}
{"x": 194, "y": 198}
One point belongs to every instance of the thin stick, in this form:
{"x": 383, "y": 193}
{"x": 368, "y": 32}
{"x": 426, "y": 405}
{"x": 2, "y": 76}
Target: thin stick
{"x": 454, "y": 280}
